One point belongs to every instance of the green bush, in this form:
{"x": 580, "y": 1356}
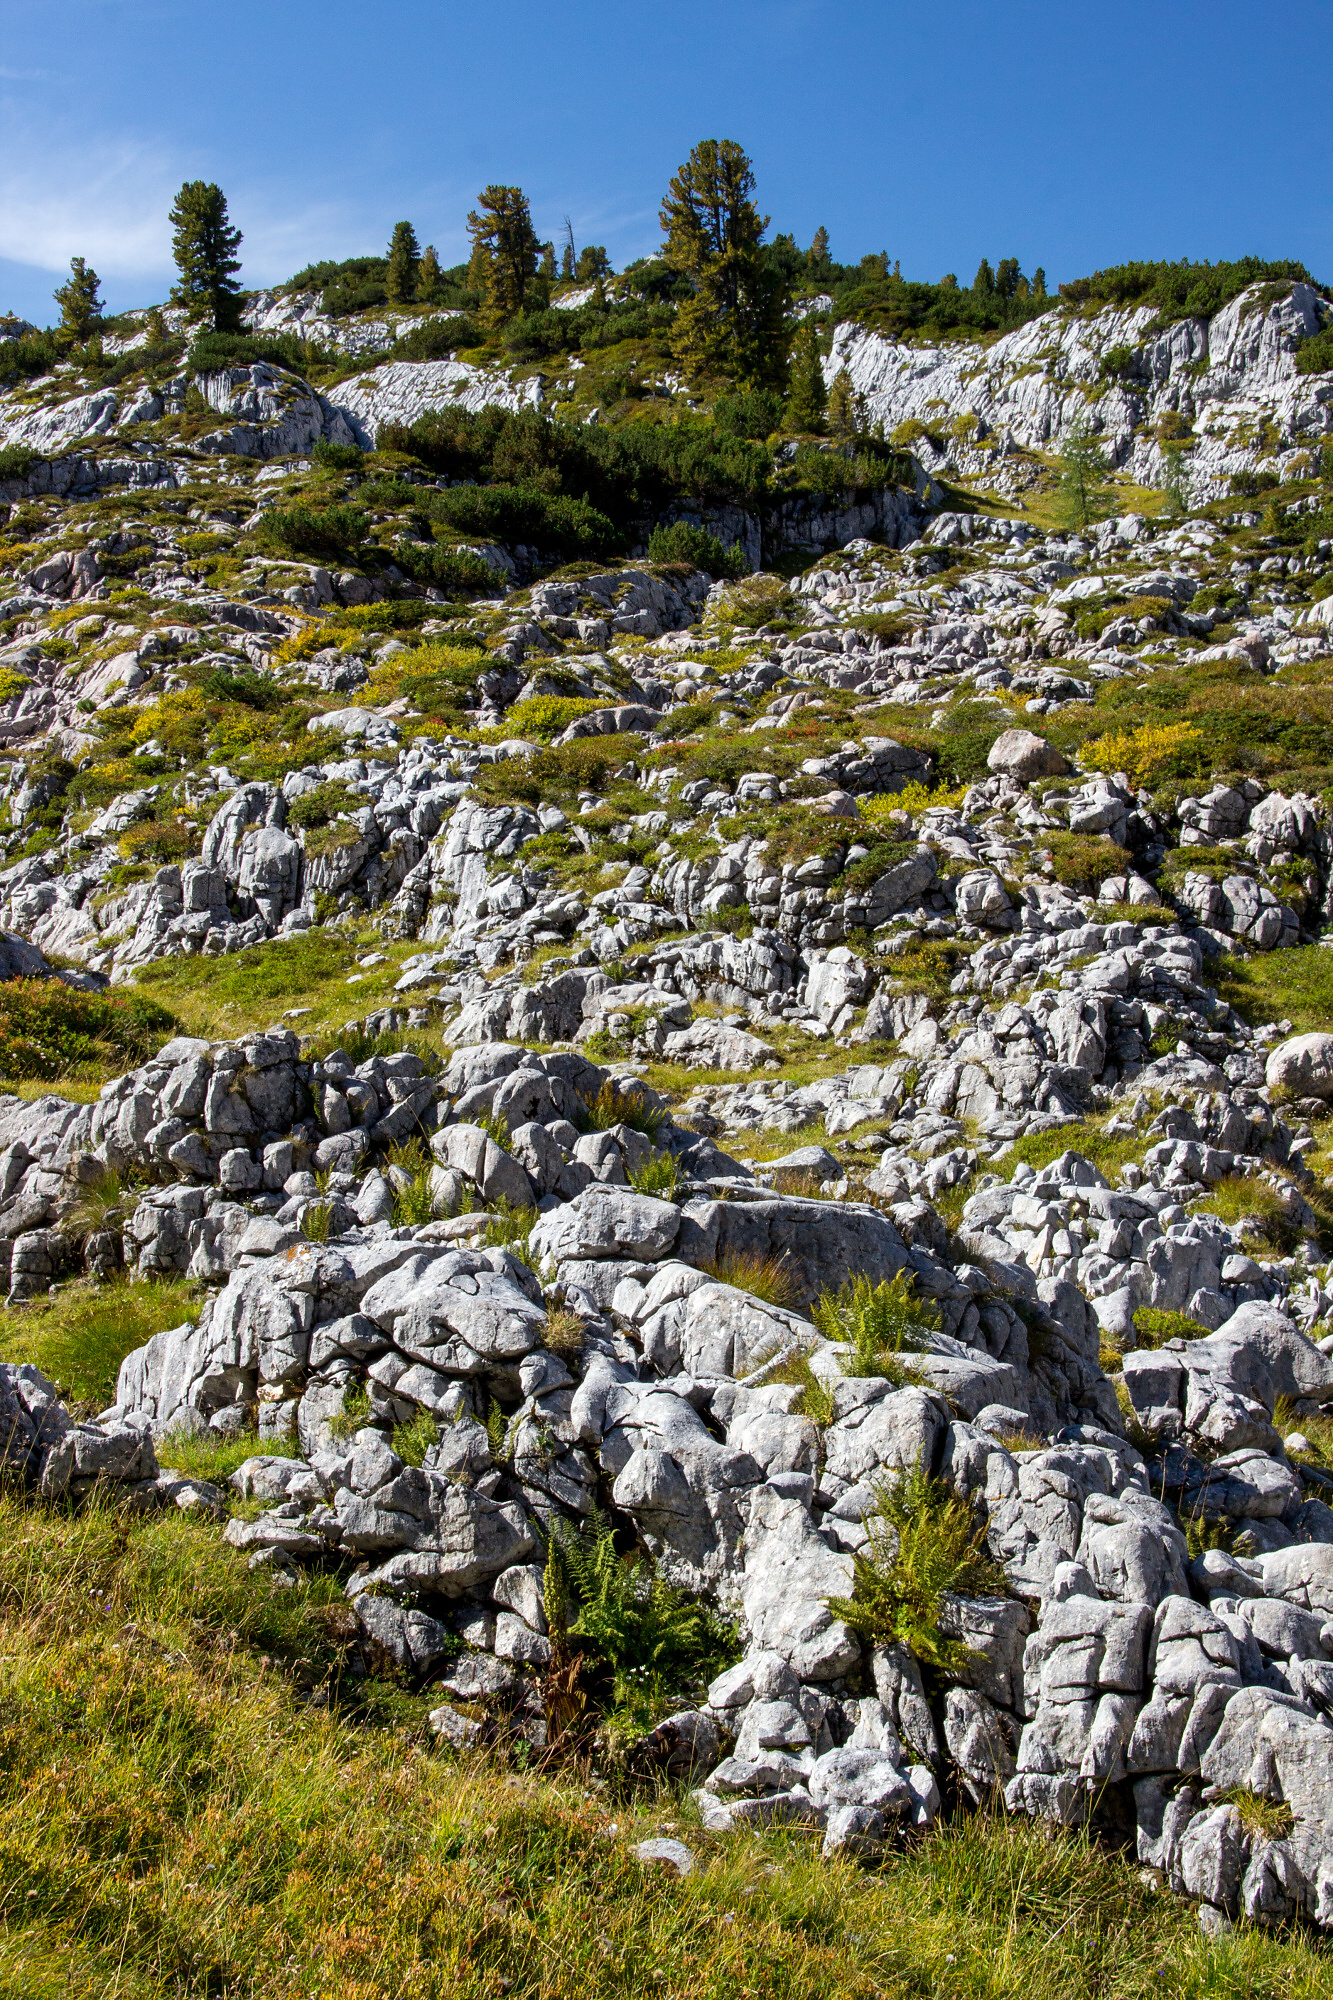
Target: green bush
{"x": 212, "y": 351}
{"x": 1181, "y": 290}
{"x": 338, "y": 457}
{"x": 1082, "y": 861}
{"x": 1314, "y": 356}
{"x": 30, "y": 355}
{"x": 682, "y": 543}
{"x": 323, "y": 803}
{"x": 924, "y": 1544}
{"x": 17, "y": 460}
{"x": 457, "y": 572}
{"x": 50, "y": 1030}
{"x": 554, "y": 521}
{"x": 545, "y": 715}
{"x": 628, "y": 471}
{"x": 333, "y": 533}
{"x": 1249, "y": 485}
{"x": 253, "y": 690}
{"x": 436, "y": 339}
{"x": 1154, "y": 1327}
{"x": 749, "y": 413}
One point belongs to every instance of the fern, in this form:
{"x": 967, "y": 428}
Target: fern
{"x": 923, "y": 1543}
{"x": 496, "y": 1126}
{"x": 317, "y": 1221}
{"x": 414, "y": 1204}
{"x": 657, "y": 1175}
{"x": 497, "y": 1431}
{"x": 651, "y": 1639}
{"x": 509, "y": 1229}
{"x": 877, "y": 1322}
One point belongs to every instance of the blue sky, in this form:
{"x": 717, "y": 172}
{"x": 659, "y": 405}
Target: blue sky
{"x": 1070, "y": 136}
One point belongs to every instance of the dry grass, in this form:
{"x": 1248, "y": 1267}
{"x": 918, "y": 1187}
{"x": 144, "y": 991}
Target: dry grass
{"x": 771, "y": 1278}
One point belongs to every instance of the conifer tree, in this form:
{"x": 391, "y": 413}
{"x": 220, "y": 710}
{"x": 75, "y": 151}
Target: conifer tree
{"x": 735, "y": 319}
{"x": 1175, "y": 480}
{"x": 593, "y": 264}
{"x": 819, "y": 256}
{"x": 504, "y": 251}
{"x": 204, "y": 245}
{"x": 548, "y": 262}
{"x": 844, "y": 415}
{"x": 404, "y": 257}
{"x": 1039, "y": 283}
{"x": 806, "y": 399}
{"x": 567, "y": 261}
{"x": 80, "y": 307}
{"x": 1082, "y": 468}
{"x": 430, "y": 278}
{"x": 984, "y": 282}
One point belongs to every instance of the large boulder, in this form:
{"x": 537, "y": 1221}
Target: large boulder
{"x": 1020, "y": 754}
{"x": 1302, "y": 1066}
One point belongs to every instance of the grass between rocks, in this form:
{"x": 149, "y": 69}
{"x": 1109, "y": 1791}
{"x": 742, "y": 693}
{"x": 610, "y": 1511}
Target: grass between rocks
{"x": 1280, "y": 986}
{"x": 219, "y": 997}
{"x": 197, "y": 1800}
{"x": 1108, "y": 1152}
{"x": 80, "y": 1337}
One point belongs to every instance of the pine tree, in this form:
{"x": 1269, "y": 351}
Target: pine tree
{"x": 1175, "y": 480}
{"x": 593, "y": 264}
{"x": 156, "y": 324}
{"x": 430, "y": 278}
{"x": 805, "y": 402}
{"x": 1082, "y": 467}
{"x": 819, "y": 256}
{"x": 204, "y": 245}
{"x": 844, "y": 411}
{"x": 548, "y": 262}
{"x": 567, "y": 262}
{"x": 984, "y": 282}
{"x": 504, "y": 251}
{"x": 736, "y": 317}
{"x": 80, "y": 307}
{"x": 1039, "y": 283}
{"x": 404, "y": 256}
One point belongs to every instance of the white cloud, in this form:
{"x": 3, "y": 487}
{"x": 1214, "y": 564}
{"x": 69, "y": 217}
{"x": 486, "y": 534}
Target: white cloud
{"x": 110, "y": 201}
{"x": 107, "y": 203}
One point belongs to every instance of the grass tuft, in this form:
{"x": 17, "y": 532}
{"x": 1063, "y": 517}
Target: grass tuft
{"x": 615, "y": 1104}
{"x": 770, "y": 1278}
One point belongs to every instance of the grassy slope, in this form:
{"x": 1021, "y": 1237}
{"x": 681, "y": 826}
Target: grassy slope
{"x": 80, "y": 1337}
{"x": 193, "y": 1803}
